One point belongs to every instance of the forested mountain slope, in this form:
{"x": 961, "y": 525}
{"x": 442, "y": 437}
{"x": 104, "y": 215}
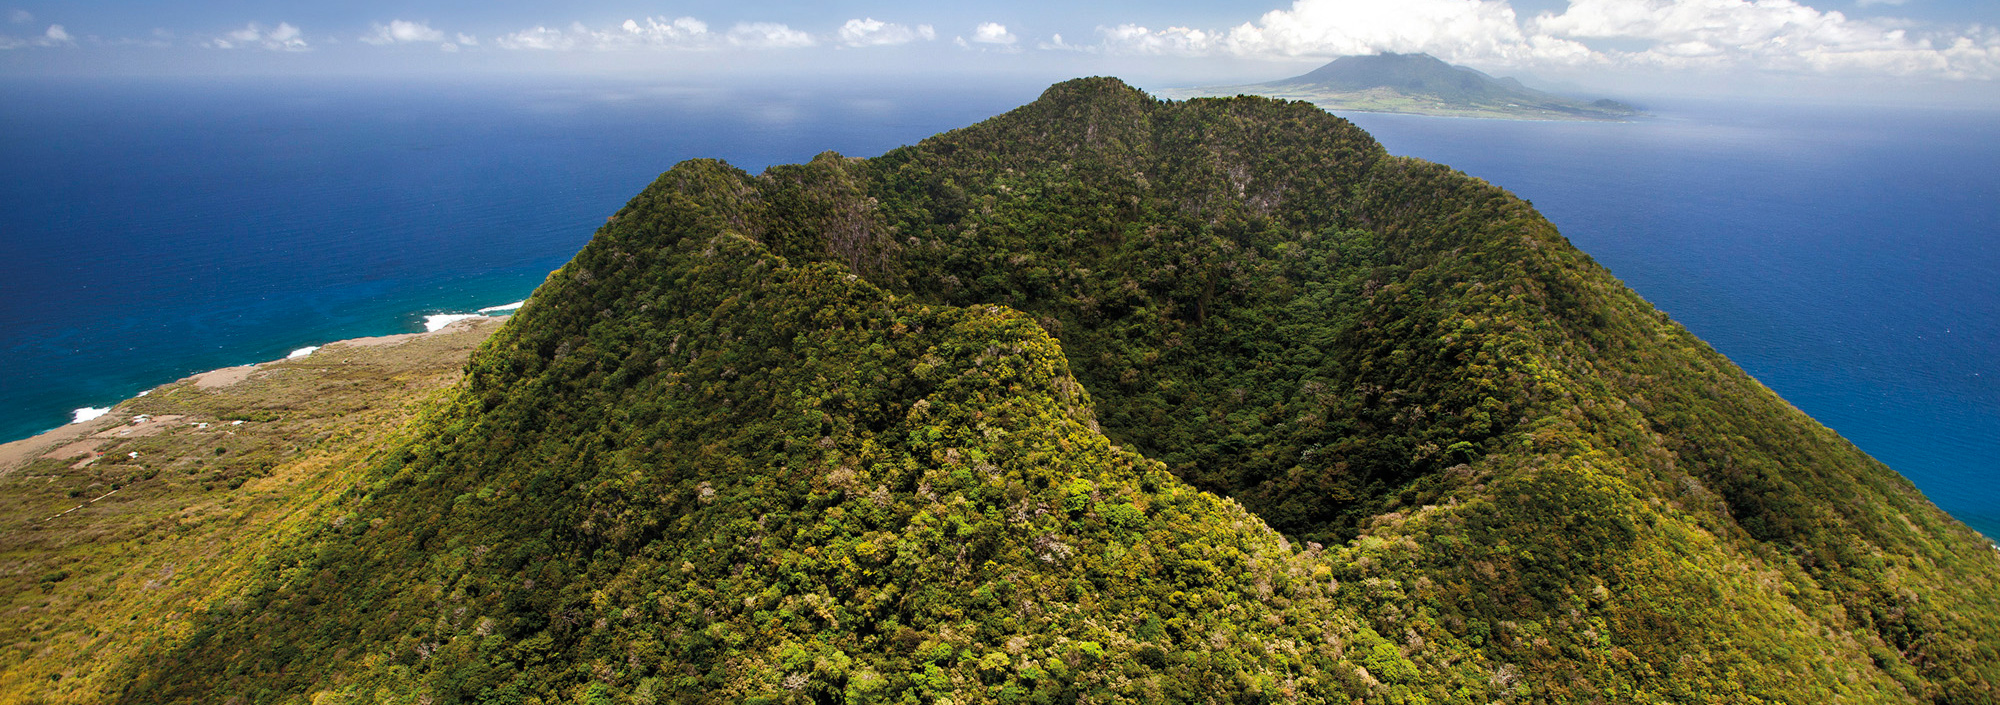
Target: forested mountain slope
{"x": 1105, "y": 399}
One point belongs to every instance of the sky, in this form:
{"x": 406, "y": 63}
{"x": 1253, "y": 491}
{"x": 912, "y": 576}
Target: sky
{"x": 1936, "y": 48}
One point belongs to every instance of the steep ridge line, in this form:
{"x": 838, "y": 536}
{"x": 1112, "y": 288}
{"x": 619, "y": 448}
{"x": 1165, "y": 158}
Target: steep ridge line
{"x": 971, "y": 421}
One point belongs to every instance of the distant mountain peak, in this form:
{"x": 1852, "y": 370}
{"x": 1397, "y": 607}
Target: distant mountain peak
{"x": 1422, "y": 84}
{"x": 1413, "y": 72}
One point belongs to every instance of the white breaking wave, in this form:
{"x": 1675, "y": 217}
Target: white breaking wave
{"x": 432, "y": 324}
{"x": 437, "y": 321}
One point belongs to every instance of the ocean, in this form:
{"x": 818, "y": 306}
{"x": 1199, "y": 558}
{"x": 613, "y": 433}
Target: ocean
{"x": 150, "y": 230}
{"x": 1847, "y": 257}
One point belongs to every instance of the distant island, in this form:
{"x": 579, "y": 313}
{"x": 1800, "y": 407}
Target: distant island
{"x": 1419, "y": 84}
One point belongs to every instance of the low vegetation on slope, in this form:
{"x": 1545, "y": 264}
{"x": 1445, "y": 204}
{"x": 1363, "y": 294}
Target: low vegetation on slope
{"x": 1105, "y": 399}
{"x": 113, "y": 531}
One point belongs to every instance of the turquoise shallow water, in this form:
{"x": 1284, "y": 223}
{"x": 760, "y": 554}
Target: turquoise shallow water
{"x": 1848, "y": 258}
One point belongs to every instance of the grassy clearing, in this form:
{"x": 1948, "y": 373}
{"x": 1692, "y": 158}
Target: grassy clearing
{"x": 112, "y": 532}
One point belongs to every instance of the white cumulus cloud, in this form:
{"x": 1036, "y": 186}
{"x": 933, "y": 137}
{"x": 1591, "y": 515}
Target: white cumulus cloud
{"x": 683, "y": 31}
{"x": 1455, "y": 30}
{"x": 993, "y": 33}
{"x": 1134, "y": 39}
{"x": 284, "y": 37}
{"x": 874, "y": 32}
{"x": 768, "y": 35}
{"x": 993, "y": 36}
{"x": 538, "y": 38}
{"x": 55, "y": 35}
{"x": 20, "y": 16}
{"x": 402, "y": 32}
{"x": 1772, "y": 34}
{"x": 1776, "y": 35}
{"x": 650, "y": 32}
{"x": 655, "y": 32}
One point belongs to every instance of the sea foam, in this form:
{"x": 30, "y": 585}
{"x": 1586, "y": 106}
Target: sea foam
{"x": 301, "y": 352}
{"x": 87, "y": 413}
{"x": 437, "y": 321}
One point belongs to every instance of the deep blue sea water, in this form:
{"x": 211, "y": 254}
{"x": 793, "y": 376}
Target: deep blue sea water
{"x": 1849, "y": 258}
{"x": 151, "y": 230}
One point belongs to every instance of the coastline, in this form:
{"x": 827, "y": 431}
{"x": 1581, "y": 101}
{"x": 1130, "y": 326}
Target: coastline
{"x": 1341, "y": 102}
{"x": 95, "y": 425}
{"x": 429, "y": 322}
{"x": 116, "y": 530}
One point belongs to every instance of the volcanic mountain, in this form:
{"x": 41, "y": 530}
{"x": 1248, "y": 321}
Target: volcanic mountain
{"x": 1420, "y": 84}
{"x": 1106, "y": 399}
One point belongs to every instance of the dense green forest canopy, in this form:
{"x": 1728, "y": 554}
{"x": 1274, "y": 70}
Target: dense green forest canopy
{"x": 1106, "y": 399}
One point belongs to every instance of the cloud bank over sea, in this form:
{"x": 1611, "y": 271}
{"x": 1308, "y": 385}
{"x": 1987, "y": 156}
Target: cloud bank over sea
{"x": 1710, "y": 35}
{"x": 1866, "y": 40}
